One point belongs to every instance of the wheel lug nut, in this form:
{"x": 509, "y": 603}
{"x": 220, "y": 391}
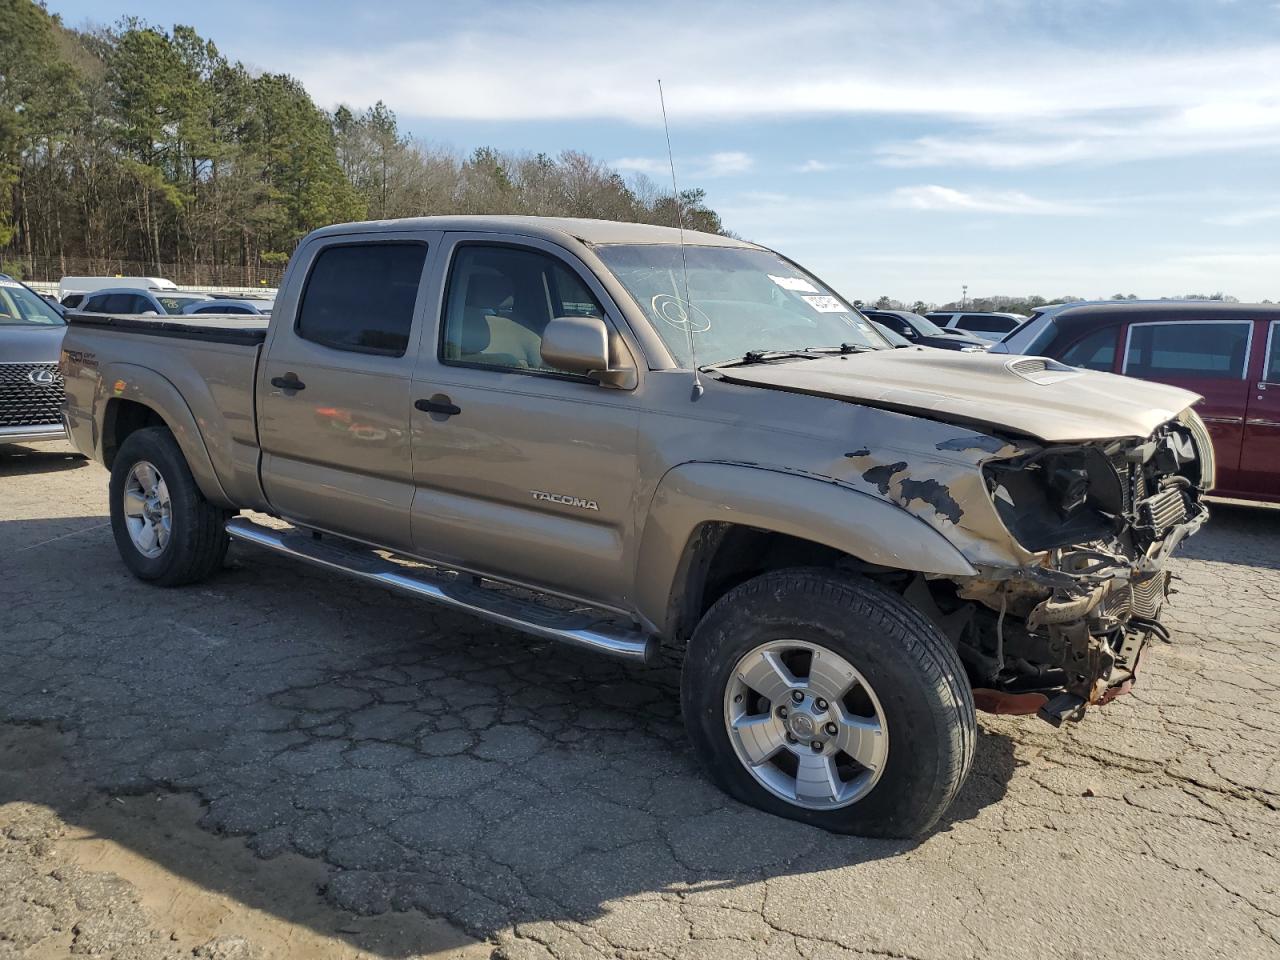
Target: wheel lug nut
{"x": 782, "y": 712}
{"x": 820, "y": 704}
{"x": 797, "y": 696}
{"x": 817, "y": 746}
{"x": 831, "y": 729}
{"x": 791, "y": 738}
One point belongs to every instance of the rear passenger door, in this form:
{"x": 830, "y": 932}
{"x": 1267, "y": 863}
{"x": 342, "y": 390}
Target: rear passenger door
{"x": 1260, "y": 453}
{"x": 1209, "y": 357}
{"x": 522, "y": 472}
{"x": 333, "y": 385}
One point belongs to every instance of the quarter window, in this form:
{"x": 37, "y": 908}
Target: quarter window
{"x": 1097, "y": 351}
{"x": 1193, "y": 350}
{"x": 501, "y": 300}
{"x": 361, "y": 297}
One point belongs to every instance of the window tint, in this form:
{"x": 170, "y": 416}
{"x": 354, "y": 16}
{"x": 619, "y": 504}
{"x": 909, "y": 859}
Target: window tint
{"x": 895, "y": 323}
{"x": 1096, "y": 351}
{"x": 500, "y": 301}
{"x": 361, "y": 297}
{"x": 92, "y": 304}
{"x": 226, "y": 309}
{"x": 986, "y": 323}
{"x": 1191, "y": 350}
{"x": 1271, "y": 372}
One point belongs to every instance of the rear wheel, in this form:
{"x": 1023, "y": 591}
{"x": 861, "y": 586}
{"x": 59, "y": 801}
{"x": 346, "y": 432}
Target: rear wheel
{"x": 164, "y": 528}
{"x": 827, "y": 699}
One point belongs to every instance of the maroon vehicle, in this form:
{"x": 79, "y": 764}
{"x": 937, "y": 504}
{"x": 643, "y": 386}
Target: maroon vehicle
{"x": 1229, "y": 353}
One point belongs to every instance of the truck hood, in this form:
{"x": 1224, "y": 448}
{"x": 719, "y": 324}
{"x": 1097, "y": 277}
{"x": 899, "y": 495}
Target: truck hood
{"x": 1030, "y": 395}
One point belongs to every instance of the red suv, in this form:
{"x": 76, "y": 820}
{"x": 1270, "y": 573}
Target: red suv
{"x": 1229, "y": 353}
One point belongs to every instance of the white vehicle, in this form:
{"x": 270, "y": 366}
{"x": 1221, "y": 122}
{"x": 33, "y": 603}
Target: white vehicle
{"x": 79, "y": 287}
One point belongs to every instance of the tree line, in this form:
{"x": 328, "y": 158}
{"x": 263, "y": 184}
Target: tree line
{"x": 1024, "y": 305}
{"x": 135, "y": 145}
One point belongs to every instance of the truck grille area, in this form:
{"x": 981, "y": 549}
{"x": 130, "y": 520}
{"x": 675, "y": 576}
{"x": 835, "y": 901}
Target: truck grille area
{"x": 1164, "y": 510}
{"x": 24, "y": 400}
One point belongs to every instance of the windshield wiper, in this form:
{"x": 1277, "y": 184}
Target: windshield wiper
{"x": 804, "y": 353}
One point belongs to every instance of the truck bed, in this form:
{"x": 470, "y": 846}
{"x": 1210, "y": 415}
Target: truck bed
{"x": 236, "y": 328}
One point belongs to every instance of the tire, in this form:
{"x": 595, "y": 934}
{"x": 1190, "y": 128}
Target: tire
{"x": 910, "y": 686}
{"x": 195, "y": 543}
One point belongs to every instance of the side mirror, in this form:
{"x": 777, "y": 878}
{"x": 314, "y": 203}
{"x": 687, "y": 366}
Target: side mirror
{"x": 581, "y": 345}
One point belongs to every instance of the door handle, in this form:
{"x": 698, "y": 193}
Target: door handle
{"x": 439, "y": 404}
{"x": 289, "y": 381}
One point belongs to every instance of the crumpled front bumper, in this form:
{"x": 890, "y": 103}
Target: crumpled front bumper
{"x": 1102, "y": 621}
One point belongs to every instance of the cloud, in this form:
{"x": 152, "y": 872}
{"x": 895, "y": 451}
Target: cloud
{"x": 725, "y": 63}
{"x": 938, "y": 198}
{"x": 1246, "y": 217}
{"x": 727, "y": 164}
{"x": 650, "y": 166}
{"x": 815, "y": 166}
{"x": 724, "y": 164}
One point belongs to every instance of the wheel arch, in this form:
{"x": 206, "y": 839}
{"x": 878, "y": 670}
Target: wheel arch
{"x": 712, "y": 525}
{"x": 143, "y": 398}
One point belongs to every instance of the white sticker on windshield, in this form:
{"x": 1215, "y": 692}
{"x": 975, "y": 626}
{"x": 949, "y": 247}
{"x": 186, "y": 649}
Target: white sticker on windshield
{"x": 10, "y": 283}
{"x": 826, "y": 304}
{"x": 799, "y": 284}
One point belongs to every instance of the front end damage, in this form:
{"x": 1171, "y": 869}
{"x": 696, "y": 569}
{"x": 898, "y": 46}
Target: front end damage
{"x": 1099, "y": 520}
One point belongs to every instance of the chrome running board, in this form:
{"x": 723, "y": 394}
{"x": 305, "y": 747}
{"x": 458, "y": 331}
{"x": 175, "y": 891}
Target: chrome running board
{"x": 459, "y": 591}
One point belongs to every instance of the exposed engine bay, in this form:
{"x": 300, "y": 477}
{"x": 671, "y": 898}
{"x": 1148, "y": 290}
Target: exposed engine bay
{"x": 1102, "y": 517}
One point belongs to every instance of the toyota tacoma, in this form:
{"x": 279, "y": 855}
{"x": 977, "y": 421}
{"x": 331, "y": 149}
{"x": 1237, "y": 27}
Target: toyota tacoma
{"x": 654, "y": 443}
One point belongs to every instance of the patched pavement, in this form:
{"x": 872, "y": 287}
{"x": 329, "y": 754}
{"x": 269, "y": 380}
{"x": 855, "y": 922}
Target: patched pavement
{"x": 545, "y": 801}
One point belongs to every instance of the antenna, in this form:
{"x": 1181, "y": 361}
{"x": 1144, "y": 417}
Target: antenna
{"x": 684, "y": 265}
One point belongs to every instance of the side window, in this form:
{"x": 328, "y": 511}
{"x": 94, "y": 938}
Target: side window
{"x": 117, "y": 303}
{"x": 1096, "y": 351}
{"x": 360, "y": 297}
{"x": 1271, "y": 371}
{"x": 897, "y": 325}
{"x": 501, "y": 299}
{"x": 984, "y": 323}
{"x": 1188, "y": 349}
{"x": 92, "y": 304}
{"x": 141, "y": 305}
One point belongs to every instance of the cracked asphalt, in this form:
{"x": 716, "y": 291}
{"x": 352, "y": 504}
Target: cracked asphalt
{"x": 545, "y": 803}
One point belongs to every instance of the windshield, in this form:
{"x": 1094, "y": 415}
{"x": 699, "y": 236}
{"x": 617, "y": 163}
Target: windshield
{"x": 175, "y": 304}
{"x": 924, "y": 326}
{"x": 743, "y": 300}
{"x": 20, "y": 306}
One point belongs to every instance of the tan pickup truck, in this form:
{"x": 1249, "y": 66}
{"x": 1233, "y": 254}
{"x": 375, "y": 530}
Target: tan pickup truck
{"x": 846, "y": 544}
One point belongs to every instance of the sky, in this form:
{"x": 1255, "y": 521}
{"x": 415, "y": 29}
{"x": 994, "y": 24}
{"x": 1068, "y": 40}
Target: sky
{"x": 902, "y": 148}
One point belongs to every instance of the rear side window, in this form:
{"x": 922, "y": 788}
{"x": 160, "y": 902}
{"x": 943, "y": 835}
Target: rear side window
{"x": 1096, "y": 351}
{"x": 361, "y": 297}
{"x": 984, "y": 323}
{"x": 1188, "y": 349}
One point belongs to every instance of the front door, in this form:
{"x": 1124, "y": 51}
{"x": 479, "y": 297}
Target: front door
{"x": 1209, "y": 357}
{"x": 1260, "y": 454}
{"x": 334, "y": 386}
{"x": 521, "y": 471}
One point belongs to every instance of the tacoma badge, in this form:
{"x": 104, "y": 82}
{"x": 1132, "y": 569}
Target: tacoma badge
{"x": 565, "y": 500}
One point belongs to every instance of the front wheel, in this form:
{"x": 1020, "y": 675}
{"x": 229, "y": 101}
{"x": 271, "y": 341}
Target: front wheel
{"x": 828, "y": 699}
{"x": 164, "y": 528}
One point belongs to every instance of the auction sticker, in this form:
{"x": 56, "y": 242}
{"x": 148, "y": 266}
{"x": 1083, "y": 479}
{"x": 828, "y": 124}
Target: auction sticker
{"x": 826, "y": 304}
{"x": 799, "y": 284}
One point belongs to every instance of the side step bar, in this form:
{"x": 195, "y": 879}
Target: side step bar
{"x": 458, "y": 591}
